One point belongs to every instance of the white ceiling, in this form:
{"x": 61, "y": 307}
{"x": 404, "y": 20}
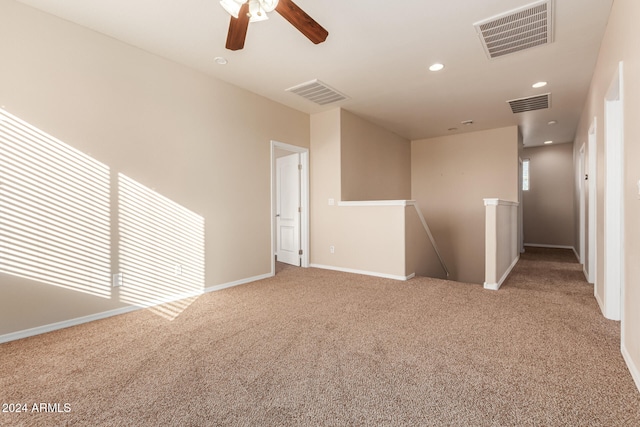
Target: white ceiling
{"x": 377, "y": 53}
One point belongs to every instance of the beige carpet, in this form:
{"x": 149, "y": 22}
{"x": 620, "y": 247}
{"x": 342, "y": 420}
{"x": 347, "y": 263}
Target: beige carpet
{"x": 315, "y": 347}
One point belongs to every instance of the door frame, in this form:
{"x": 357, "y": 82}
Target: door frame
{"x": 582, "y": 209}
{"x": 304, "y": 201}
{"x": 592, "y": 149}
{"x": 614, "y": 262}
{"x": 520, "y": 207}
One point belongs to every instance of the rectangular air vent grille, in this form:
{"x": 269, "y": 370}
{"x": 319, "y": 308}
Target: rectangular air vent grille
{"x": 318, "y": 92}
{"x": 517, "y": 30}
{"x": 532, "y": 103}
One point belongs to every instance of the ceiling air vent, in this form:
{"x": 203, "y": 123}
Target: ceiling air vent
{"x": 317, "y": 92}
{"x": 517, "y": 30}
{"x": 539, "y": 102}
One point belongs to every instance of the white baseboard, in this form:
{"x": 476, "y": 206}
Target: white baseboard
{"x": 633, "y": 368}
{"x": 64, "y": 324}
{"x": 237, "y": 283}
{"x": 536, "y": 245}
{"x": 366, "y": 273}
{"x": 599, "y": 301}
{"x": 92, "y": 317}
{"x": 496, "y": 286}
{"x": 576, "y": 254}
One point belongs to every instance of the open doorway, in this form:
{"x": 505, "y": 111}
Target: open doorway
{"x": 289, "y": 204}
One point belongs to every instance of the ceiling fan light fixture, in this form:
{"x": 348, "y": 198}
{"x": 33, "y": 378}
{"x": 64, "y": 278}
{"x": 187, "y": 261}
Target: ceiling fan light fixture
{"x": 268, "y": 5}
{"x": 257, "y": 12}
{"x": 232, "y": 6}
{"x": 258, "y": 9}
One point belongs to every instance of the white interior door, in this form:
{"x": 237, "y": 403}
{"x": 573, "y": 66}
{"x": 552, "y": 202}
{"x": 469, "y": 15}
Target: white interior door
{"x": 288, "y": 209}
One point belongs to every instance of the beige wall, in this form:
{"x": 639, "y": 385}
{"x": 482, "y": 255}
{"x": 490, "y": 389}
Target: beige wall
{"x": 549, "y": 216}
{"x": 200, "y": 142}
{"x": 619, "y": 44}
{"x": 324, "y": 158}
{"x": 375, "y": 163}
{"x": 366, "y": 238}
{"x": 450, "y": 177}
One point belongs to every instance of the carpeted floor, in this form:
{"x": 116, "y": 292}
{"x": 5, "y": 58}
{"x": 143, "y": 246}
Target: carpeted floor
{"x": 316, "y": 347}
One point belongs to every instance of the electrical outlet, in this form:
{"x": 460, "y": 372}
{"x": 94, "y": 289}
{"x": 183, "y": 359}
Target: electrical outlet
{"x": 118, "y": 280}
{"x": 332, "y": 249}
{"x": 332, "y": 202}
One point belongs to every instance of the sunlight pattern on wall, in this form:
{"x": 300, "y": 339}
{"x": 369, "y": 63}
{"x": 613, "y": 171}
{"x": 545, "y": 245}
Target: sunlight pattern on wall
{"x": 161, "y": 246}
{"x": 54, "y": 211}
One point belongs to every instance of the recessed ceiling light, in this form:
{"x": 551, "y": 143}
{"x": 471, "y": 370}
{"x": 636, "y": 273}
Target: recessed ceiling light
{"x": 548, "y": 142}
{"x": 436, "y": 67}
{"x": 552, "y": 122}
{"x": 539, "y": 84}
{"x": 220, "y": 60}
{"x": 452, "y": 129}
{"x": 467, "y": 122}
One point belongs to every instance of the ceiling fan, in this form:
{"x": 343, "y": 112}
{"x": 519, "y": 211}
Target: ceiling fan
{"x": 244, "y": 11}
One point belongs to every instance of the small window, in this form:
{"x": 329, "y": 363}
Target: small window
{"x": 525, "y": 175}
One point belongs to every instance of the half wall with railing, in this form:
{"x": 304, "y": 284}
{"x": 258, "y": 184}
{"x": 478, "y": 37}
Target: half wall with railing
{"x": 384, "y": 238}
{"x": 501, "y": 241}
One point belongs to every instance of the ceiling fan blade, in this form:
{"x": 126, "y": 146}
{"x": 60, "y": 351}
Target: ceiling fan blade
{"x": 303, "y": 22}
{"x": 238, "y": 29}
